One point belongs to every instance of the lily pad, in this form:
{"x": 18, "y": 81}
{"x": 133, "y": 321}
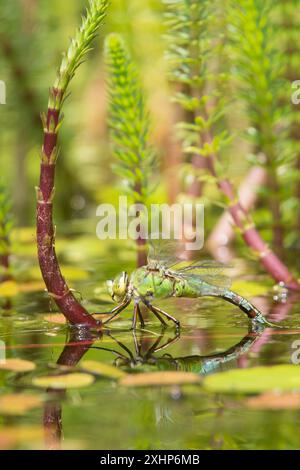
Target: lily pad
{"x": 12, "y": 436}
{"x": 33, "y": 286}
{"x": 57, "y": 318}
{"x": 159, "y": 379}
{"x": 8, "y": 289}
{"x": 18, "y": 404}
{"x": 99, "y": 368}
{"x": 256, "y": 380}
{"x": 65, "y": 381}
{"x": 17, "y": 365}
{"x": 70, "y": 272}
{"x": 274, "y": 401}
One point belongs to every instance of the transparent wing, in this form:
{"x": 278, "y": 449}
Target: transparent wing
{"x": 209, "y": 271}
{"x": 170, "y": 254}
{"x": 207, "y": 284}
{"x": 166, "y": 253}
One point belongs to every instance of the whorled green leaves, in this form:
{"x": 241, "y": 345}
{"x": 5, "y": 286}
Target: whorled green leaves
{"x": 128, "y": 122}
{"x": 79, "y": 47}
{"x": 194, "y": 42}
{"x": 259, "y": 68}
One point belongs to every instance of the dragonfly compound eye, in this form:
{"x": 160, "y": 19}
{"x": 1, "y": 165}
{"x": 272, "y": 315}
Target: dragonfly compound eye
{"x": 119, "y": 286}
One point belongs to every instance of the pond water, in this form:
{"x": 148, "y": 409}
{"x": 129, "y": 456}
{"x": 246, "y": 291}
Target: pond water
{"x": 114, "y": 413}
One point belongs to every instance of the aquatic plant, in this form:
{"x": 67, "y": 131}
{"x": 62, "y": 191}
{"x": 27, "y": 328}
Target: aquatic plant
{"x": 52, "y": 120}
{"x": 129, "y": 129}
{"x": 6, "y": 223}
{"x": 191, "y": 23}
{"x": 286, "y": 19}
{"x": 259, "y": 72}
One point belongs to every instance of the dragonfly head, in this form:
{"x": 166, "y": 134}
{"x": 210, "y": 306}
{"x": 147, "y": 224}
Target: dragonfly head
{"x": 117, "y": 288}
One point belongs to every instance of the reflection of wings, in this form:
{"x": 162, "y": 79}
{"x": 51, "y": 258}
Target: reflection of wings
{"x": 169, "y": 253}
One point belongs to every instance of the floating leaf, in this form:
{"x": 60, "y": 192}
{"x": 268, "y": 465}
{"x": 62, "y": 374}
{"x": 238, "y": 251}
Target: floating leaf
{"x": 18, "y": 404}
{"x": 250, "y": 288}
{"x": 256, "y": 380}
{"x": 17, "y": 365}
{"x": 12, "y": 436}
{"x": 275, "y": 401}
{"x": 160, "y": 378}
{"x": 8, "y": 289}
{"x": 70, "y": 272}
{"x": 65, "y": 381}
{"x": 99, "y": 368}
{"x": 58, "y": 318}
{"x": 34, "y": 286}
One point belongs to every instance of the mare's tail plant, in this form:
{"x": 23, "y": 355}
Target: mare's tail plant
{"x": 288, "y": 30}
{"x": 129, "y": 129}
{"x": 203, "y": 136}
{"x": 6, "y": 223}
{"x": 55, "y": 282}
{"x": 260, "y": 65}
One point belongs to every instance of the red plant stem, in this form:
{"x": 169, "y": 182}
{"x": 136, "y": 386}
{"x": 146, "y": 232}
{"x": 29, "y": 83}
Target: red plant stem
{"x": 4, "y": 262}
{"x": 52, "y": 419}
{"x": 250, "y": 234}
{"x": 223, "y": 233}
{"x": 276, "y": 213}
{"x": 141, "y": 242}
{"x": 55, "y": 282}
{"x": 142, "y": 254}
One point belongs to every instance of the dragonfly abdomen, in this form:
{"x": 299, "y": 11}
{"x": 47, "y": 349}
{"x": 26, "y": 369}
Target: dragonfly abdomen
{"x": 242, "y": 303}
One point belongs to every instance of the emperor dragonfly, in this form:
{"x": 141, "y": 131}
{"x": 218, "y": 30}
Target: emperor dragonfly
{"x": 167, "y": 276}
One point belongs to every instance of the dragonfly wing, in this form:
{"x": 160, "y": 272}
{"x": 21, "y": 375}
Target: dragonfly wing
{"x": 170, "y": 254}
{"x": 208, "y": 271}
{"x": 166, "y": 253}
{"x": 207, "y": 285}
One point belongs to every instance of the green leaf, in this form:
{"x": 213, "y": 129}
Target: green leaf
{"x": 165, "y": 378}
{"x": 99, "y": 368}
{"x": 256, "y": 380}
{"x": 64, "y": 381}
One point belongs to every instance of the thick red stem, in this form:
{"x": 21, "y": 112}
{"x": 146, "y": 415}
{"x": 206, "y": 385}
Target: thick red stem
{"x": 55, "y": 282}
{"x": 52, "y": 419}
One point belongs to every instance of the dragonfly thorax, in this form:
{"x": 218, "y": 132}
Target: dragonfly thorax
{"x": 150, "y": 283}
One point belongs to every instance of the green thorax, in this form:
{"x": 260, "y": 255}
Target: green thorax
{"x": 148, "y": 284}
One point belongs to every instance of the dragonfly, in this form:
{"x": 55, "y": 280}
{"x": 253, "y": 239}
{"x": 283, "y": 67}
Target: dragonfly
{"x": 166, "y": 275}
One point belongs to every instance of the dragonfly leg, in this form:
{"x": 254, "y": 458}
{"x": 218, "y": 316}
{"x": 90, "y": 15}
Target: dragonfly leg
{"x": 140, "y": 316}
{"x": 150, "y": 307}
{"x": 135, "y": 314}
{"x": 162, "y": 321}
{"x": 170, "y": 317}
{"x": 118, "y": 309}
{"x": 158, "y": 311}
